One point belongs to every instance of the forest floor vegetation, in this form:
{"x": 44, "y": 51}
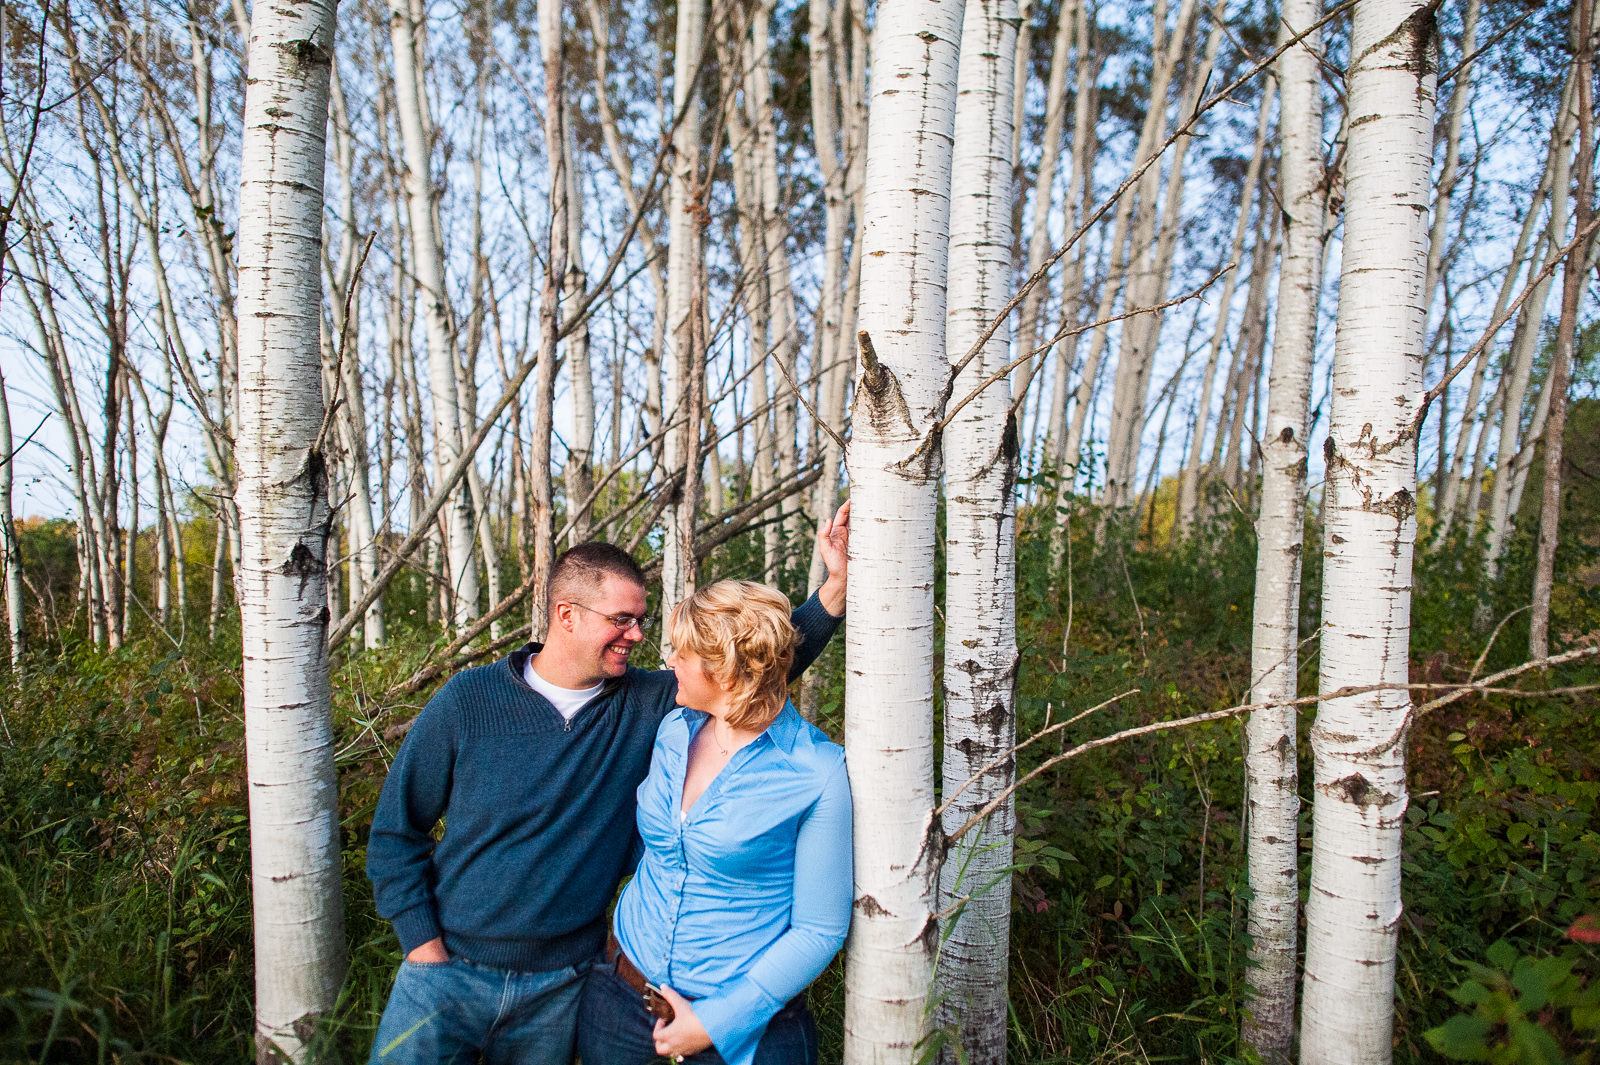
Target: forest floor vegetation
{"x": 124, "y": 848}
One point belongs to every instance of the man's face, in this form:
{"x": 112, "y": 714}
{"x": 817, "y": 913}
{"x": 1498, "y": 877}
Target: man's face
{"x": 598, "y": 644}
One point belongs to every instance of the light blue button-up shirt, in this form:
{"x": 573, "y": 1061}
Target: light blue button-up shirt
{"x": 741, "y": 901}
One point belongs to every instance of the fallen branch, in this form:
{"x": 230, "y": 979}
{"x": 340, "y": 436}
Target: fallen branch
{"x": 1487, "y": 686}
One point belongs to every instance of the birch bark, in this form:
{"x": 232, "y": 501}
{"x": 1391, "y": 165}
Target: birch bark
{"x": 1148, "y": 277}
{"x": 294, "y": 822}
{"x": 1502, "y": 508}
{"x": 1272, "y": 738}
{"x": 580, "y": 445}
{"x": 1450, "y": 496}
{"x": 1576, "y": 268}
{"x": 12, "y": 572}
{"x": 1039, "y": 243}
{"x": 353, "y": 413}
{"x": 829, "y": 84}
{"x": 1359, "y": 742}
{"x": 1560, "y": 367}
{"x": 980, "y": 648}
{"x": 1167, "y": 51}
{"x": 684, "y": 251}
{"x": 893, "y": 466}
{"x": 541, "y": 516}
{"x": 1189, "y": 477}
{"x": 427, "y": 262}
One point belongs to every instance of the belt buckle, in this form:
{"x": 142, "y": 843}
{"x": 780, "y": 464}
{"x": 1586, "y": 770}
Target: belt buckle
{"x": 657, "y": 1004}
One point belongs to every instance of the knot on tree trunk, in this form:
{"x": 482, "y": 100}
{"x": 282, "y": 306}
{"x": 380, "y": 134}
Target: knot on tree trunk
{"x": 881, "y": 390}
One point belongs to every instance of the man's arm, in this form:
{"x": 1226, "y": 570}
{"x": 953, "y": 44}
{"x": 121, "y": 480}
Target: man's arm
{"x": 818, "y": 617}
{"x": 400, "y": 848}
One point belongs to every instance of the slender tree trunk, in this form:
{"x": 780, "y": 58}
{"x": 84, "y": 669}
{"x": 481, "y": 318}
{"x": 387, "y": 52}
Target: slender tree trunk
{"x": 1148, "y": 279}
{"x": 1460, "y": 94}
{"x": 829, "y": 348}
{"x": 364, "y": 562}
{"x": 980, "y": 645}
{"x": 542, "y": 514}
{"x": 580, "y": 445}
{"x": 684, "y": 251}
{"x": 1039, "y": 243}
{"x": 428, "y": 263}
{"x": 1576, "y": 268}
{"x": 1239, "y": 439}
{"x": 1555, "y": 429}
{"x": 15, "y": 626}
{"x": 1272, "y": 736}
{"x": 893, "y": 464}
{"x": 1120, "y": 263}
{"x": 785, "y": 330}
{"x": 1359, "y": 742}
{"x": 1189, "y": 477}
{"x": 294, "y": 820}
{"x": 1502, "y": 509}
{"x": 1450, "y": 496}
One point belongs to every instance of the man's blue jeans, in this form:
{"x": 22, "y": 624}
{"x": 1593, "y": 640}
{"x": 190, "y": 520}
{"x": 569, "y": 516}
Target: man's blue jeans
{"x": 615, "y": 1028}
{"x": 459, "y": 1012}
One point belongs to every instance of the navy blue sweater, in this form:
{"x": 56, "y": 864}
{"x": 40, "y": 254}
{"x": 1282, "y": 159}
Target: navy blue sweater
{"x": 538, "y": 811}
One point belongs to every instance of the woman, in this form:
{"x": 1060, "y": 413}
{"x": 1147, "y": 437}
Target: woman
{"x": 743, "y": 892}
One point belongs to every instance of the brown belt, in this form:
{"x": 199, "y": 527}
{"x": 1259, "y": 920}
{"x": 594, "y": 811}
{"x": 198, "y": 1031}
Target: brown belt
{"x": 624, "y": 968}
{"x": 660, "y": 1007}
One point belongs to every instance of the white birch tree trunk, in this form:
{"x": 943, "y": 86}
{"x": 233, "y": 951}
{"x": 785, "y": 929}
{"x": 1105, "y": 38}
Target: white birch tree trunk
{"x": 828, "y": 66}
{"x": 1576, "y": 269}
{"x": 12, "y": 572}
{"x": 1079, "y": 194}
{"x": 1148, "y": 275}
{"x": 427, "y": 261}
{"x": 1272, "y": 738}
{"x": 1039, "y": 243}
{"x": 364, "y": 562}
{"x": 1502, "y": 507}
{"x": 893, "y": 463}
{"x": 1450, "y": 494}
{"x": 1189, "y": 477}
{"x": 1359, "y": 742}
{"x": 294, "y": 813}
{"x": 1119, "y": 265}
{"x": 784, "y": 335}
{"x": 580, "y": 445}
{"x": 980, "y": 646}
{"x": 541, "y": 514}
{"x": 683, "y": 252}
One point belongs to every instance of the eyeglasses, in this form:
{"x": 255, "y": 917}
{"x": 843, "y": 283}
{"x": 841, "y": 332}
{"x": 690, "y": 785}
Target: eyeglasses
{"x": 623, "y": 622}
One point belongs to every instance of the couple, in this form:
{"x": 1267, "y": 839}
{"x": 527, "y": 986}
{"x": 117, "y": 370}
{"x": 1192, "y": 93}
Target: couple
{"x": 543, "y": 764}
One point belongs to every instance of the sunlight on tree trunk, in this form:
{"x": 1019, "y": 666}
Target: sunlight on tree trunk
{"x": 980, "y": 644}
{"x": 294, "y": 811}
{"x": 1359, "y": 742}
{"x": 1272, "y": 736}
{"x": 894, "y": 467}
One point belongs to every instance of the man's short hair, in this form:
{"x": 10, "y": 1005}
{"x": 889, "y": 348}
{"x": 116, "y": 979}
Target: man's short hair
{"x": 584, "y": 568}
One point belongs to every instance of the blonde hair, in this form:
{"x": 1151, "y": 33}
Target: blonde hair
{"x": 742, "y": 633}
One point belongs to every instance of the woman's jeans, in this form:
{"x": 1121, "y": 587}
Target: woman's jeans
{"x": 615, "y": 1028}
{"x": 459, "y": 1011}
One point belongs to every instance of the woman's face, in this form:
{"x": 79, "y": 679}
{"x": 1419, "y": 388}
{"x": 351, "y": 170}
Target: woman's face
{"x": 696, "y": 688}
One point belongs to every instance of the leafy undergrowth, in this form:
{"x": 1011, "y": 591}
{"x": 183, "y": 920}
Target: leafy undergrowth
{"x": 124, "y": 864}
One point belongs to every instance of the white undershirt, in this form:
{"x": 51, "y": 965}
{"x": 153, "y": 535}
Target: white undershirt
{"x": 567, "y": 701}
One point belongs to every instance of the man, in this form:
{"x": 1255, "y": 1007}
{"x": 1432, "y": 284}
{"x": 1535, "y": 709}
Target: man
{"x": 532, "y": 762}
